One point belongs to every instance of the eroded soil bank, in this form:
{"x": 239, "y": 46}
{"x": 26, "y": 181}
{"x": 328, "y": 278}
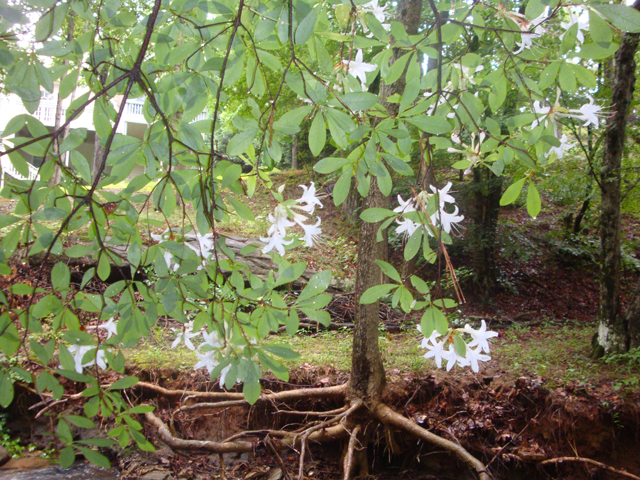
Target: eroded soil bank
{"x": 513, "y": 425}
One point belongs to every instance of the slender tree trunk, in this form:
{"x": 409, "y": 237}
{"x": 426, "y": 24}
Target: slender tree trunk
{"x": 367, "y": 372}
{"x": 613, "y": 332}
{"x": 294, "y": 152}
{"x": 57, "y": 173}
{"x": 486, "y": 190}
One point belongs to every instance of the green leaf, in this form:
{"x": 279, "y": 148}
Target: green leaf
{"x": 240, "y": 142}
{"x": 95, "y": 457}
{"x": 600, "y": 30}
{"x": 594, "y": 51}
{"x": 64, "y": 432}
{"x": 420, "y": 285}
{"x": 251, "y": 388}
{"x": 342, "y": 187}
{"x": 413, "y": 245}
{"x": 318, "y": 284}
{"x": 398, "y": 165}
{"x": 6, "y": 391}
{"x": 6, "y": 220}
{"x": 241, "y": 209}
{"x": 60, "y": 277}
{"x": 548, "y": 75}
{"x": 459, "y": 346}
{"x": 389, "y": 271}
{"x": 433, "y": 125}
{"x": 439, "y": 319}
{"x": 533, "y": 201}
{"x": 373, "y": 215}
{"x": 375, "y": 293}
{"x": 67, "y": 457}
{"x": 359, "y": 101}
{"x": 81, "y": 422}
{"x": 512, "y": 193}
{"x": 318, "y": 138}
{"x": 624, "y": 17}
{"x": 305, "y": 27}
{"x": 330, "y": 164}
{"x": 124, "y": 383}
{"x": 281, "y": 351}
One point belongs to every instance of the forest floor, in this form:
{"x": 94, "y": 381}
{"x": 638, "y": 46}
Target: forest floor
{"x": 540, "y": 396}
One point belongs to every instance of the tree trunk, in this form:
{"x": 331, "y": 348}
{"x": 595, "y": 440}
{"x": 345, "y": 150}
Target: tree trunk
{"x": 485, "y": 193}
{"x": 613, "y": 332}
{"x": 294, "y": 152}
{"x": 57, "y": 173}
{"x": 367, "y": 372}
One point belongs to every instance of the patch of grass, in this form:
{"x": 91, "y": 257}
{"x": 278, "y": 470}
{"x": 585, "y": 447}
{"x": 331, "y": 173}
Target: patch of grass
{"x": 558, "y": 354}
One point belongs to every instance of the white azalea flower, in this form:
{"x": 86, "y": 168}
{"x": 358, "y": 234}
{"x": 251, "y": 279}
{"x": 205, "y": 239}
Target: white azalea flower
{"x": 309, "y": 198}
{"x": 404, "y": 207}
{"x": 276, "y": 241}
{"x": 357, "y": 68}
{"x": 207, "y": 360}
{"x": 110, "y": 326}
{"x": 79, "y": 351}
{"x": 205, "y": 245}
{"x": 589, "y": 112}
{"x": 311, "y": 233}
{"x": 377, "y": 11}
{"x": 480, "y": 336}
{"x": 474, "y": 356}
{"x": 531, "y": 29}
{"x": 185, "y": 335}
{"x": 212, "y": 339}
{"x": 472, "y": 153}
{"x": 573, "y": 20}
{"x": 446, "y": 220}
{"x": 436, "y": 351}
{"x": 443, "y": 194}
{"x": 559, "y": 151}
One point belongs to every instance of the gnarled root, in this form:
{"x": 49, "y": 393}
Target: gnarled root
{"x": 391, "y": 418}
{"x": 588, "y": 461}
{"x": 234, "y": 445}
{"x": 338, "y": 392}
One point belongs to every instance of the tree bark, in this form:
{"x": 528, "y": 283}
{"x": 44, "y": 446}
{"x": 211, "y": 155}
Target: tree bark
{"x": 57, "y": 173}
{"x": 613, "y": 331}
{"x": 486, "y": 190}
{"x": 294, "y": 152}
{"x": 367, "y": 372}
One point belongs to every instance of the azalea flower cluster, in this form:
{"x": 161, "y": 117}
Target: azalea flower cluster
{"x": 209, "y": 351}
{"x": 79, "y": 351}
{"x": 204, "y": 247}
{"x": 441, "y": 218}
{"x": 471, "y": 152}
{"x": 589, "y": 113}
{"x": 281, "y": 220}
{"x": 443, "y": 349}
{"x": 533, "y": 29}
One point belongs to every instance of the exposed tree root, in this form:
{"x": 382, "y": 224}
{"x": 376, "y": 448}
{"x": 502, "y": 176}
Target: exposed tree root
{"x": 209, "y": 446}
{"x": 348, "y": 466}
{"x": 389, "y": 417}
{"x": 286, "y": 439}
{"x": 338, "y": 391}
{"x": 620, "y": 472}
{"x": 305, "y": 436}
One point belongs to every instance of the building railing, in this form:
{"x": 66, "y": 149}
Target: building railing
{"x": 6, "y": 167}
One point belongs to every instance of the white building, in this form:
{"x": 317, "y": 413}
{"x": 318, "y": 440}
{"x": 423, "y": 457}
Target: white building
{"x": 132, "y": 123}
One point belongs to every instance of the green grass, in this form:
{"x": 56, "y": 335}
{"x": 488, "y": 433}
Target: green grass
{"x": 557, "y": 353}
